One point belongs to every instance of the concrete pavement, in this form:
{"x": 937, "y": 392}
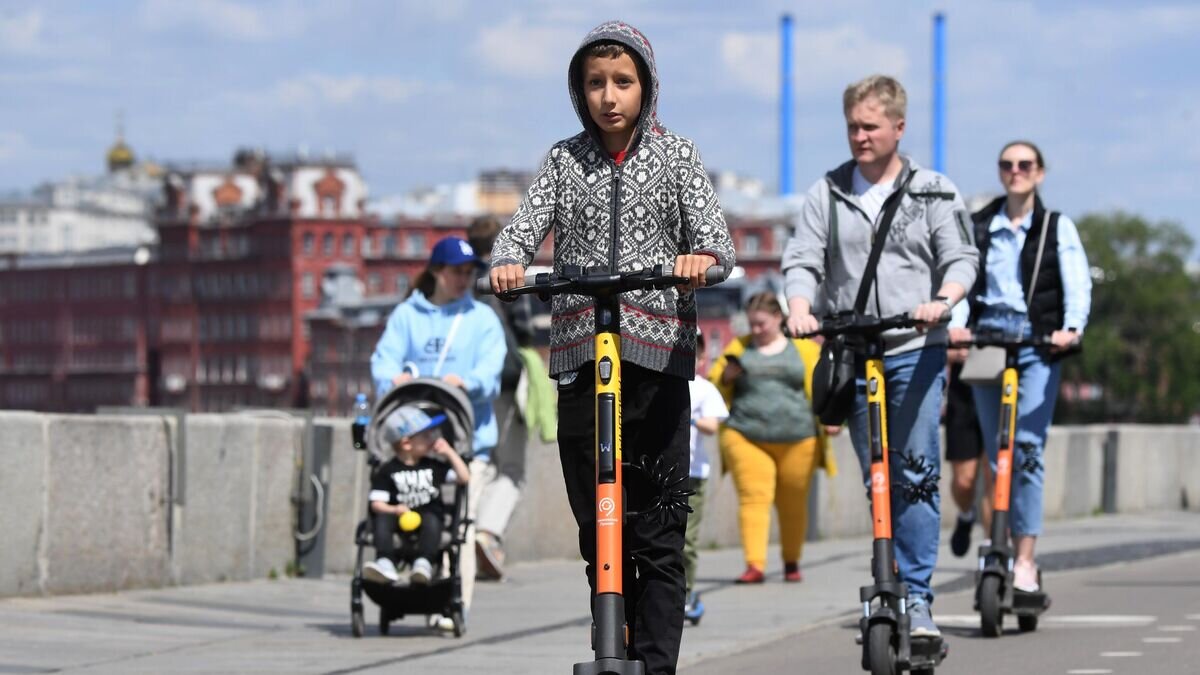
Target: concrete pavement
{"x": 535, "y": 622}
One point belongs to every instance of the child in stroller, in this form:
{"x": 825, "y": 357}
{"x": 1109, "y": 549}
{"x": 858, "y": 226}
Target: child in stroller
{"x": 417, "y": 434}
{"x": 411, "y": 483}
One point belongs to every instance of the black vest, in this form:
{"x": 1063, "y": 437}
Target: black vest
{"x": 1046, "y": 308}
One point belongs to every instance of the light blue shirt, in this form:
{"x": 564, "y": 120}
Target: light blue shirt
{"x": 1004, "y": 290}
{"x": 463, "y": 337}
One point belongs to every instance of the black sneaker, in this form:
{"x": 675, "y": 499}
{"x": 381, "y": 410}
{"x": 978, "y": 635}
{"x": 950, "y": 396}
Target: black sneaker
{"x": 960, "y": 541}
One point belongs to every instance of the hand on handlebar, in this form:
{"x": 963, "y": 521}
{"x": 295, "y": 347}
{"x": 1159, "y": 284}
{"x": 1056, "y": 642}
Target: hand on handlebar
{"x": 956, "y": 351}
{"x": 507, "y": 277}
{"x": 800, "y": 325}
{"x": 929, "y": 314}
{"x": 1062, "y": 340}
{"x": 693, "y": 267}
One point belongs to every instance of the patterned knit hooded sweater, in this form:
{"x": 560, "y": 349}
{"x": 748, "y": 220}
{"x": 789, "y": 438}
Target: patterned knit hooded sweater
{"x": 658, "y": 204}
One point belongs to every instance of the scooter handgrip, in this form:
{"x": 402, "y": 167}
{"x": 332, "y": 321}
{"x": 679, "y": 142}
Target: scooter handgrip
{"x": 483, "y": 285}
{"x": 715, "y": 275}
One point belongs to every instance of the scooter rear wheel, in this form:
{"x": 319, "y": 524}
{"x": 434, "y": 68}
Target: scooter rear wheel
{"x": 881, "y": 655}
{"x": 1027, "y": 623}
{"x": 991, "y": 616}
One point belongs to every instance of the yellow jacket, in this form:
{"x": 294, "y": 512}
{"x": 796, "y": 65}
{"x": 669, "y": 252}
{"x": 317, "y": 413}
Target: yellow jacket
{"x": 809, "y": 352}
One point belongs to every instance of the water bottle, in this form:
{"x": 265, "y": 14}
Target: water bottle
{"x": 362, "y": 417}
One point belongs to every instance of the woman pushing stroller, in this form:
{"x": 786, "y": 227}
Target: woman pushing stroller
{"x": 440, "y": 331}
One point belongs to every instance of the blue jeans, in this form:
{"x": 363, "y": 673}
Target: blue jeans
{"x": 1036, "y": 396}
{"x": 914, "y": 384}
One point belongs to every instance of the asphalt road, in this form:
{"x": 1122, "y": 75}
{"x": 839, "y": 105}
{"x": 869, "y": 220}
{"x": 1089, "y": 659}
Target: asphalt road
{"x": 1141, "y": 617}
{"x": 1116, "y": 581}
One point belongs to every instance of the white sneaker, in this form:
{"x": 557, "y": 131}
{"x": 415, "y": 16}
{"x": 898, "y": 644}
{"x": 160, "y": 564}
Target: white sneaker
{"x": 381, "y": 571}
{"x": 1025, "y": 578}
{"x": 439, "y": 622}
{"x": 422, "y": 571}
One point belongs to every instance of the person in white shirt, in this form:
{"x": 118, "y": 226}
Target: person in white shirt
{"x": 708, "y": 411}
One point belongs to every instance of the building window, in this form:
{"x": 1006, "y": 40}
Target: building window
{"x": 389, "y": 244}
{"x": 374, "y": 282}
{"x": 416, "y": 243}
{"x": 348, "y": 245}
{"x": 750, "y": 244}
{"x": 309, "y": 243}
{"x": 308, "y": 287}
{"x": 367, "y": 242}
{"x": 401, "y": 284}
{"x": 327, "y": 244}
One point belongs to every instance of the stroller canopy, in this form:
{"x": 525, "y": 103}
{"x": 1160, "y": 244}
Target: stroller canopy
{"x": 434, "y": 397}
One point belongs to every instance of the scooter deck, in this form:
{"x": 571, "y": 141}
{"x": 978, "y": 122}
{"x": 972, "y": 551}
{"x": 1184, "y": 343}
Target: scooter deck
{"x": 927, "y": 652}
{"x": 609, "y": 667}
{"x": 1025, "y": 603}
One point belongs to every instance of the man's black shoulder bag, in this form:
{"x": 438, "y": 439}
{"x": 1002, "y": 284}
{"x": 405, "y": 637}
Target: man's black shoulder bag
{"x": 834, "y": 374}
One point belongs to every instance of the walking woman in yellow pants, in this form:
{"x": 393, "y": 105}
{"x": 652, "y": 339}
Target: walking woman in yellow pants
{"x": 772, "y": 441}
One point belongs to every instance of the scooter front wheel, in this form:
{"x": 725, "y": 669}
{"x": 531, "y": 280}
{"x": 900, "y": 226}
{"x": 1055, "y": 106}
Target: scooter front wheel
{"x": 881, "y": 655}
{"x": 991, "y": 616}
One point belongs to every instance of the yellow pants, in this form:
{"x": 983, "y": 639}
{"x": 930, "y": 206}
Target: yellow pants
{"x": 766, "y": 473}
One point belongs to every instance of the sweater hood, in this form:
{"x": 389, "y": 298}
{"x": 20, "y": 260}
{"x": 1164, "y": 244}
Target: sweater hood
{"x": 631, "y": 38}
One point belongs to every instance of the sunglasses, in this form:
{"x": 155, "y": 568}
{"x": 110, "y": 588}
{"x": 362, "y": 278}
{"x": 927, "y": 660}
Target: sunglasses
{"x": 1024, "y": 165}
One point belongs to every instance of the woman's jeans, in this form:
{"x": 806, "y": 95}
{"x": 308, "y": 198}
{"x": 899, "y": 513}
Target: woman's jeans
{"x": 1036, "y": 396}
{"x": 914, "y": 384}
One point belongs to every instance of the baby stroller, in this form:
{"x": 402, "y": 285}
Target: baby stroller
{"x": 443, "y": 594}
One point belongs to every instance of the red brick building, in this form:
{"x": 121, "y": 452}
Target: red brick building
{"x": 218, "y": 314}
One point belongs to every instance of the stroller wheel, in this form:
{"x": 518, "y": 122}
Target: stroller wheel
{"x": 358, "y": 625}
{"x": 460, "y": 623}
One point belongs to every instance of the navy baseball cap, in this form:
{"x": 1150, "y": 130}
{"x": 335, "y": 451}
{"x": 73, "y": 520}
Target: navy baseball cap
{"x": 453, "y": 251}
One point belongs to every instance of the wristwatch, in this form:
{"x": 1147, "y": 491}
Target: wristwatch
{"x": 945, "y": 301}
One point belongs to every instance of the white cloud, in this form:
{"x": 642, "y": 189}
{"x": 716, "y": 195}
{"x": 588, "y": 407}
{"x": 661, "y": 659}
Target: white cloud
{"x": 12, "y": 144}
{"x": 21, "y": 33}
{"x": 225, "y": 18}
{"x": 320, "y": 89}
{"x": 519, "y": 49}
{"x": 822, "y": 57}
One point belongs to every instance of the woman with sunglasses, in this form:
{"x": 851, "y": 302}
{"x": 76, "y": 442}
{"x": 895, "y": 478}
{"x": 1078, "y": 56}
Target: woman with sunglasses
{"x": 1009, "y": 233}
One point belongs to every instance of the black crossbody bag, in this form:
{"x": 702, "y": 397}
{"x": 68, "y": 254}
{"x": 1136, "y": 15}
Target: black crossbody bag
{"x": 834, "y": 374}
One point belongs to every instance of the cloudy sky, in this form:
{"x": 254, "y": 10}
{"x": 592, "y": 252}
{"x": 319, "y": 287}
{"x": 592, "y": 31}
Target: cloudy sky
{"x": 430, "y": 91}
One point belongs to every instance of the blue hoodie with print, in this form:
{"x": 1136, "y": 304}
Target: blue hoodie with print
{"x": 415, "y": 337}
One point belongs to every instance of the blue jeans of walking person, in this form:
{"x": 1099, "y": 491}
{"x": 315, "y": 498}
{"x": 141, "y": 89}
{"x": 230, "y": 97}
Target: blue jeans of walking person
{"x": 1036, "y": 396}
{"x": 914, "y": 384}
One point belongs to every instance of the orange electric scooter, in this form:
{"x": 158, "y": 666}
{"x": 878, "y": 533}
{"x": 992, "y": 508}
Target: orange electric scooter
{"x": 884, "y": 627}
{"x": 609, "y": 631}
{"x": 994, "y": 592}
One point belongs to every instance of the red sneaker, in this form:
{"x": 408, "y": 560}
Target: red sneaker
{"x": 752, "y": 575}
{"x": 791, "y": 572}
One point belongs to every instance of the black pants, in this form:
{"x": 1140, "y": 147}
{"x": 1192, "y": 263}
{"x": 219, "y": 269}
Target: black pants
{"x": 655, "y": 416}
{"x": 428, "y": 536}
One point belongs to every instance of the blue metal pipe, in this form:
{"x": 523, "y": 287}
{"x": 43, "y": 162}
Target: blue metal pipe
{"x": 785, "y": 105}
{"x": 939, "y": 92}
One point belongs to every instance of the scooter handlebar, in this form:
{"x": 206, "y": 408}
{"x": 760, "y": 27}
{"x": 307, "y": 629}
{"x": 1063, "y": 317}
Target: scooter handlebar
{"x": 536, "y": 282}
{"x": 859, "y": 324}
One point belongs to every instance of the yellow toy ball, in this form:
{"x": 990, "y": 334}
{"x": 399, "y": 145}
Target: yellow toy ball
{"x": 409, "y": 521}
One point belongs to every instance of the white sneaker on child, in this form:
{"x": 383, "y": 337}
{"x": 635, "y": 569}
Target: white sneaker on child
{"x": 381, "y": 571}
{"x": 421, "y": 572}
{"x": 439, "y": 622}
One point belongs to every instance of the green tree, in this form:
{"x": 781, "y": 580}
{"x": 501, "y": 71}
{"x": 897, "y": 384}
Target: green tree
{"x": 1142, "y": 343}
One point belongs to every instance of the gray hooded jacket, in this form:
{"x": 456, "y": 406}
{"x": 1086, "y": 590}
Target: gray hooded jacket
{"x": 929, "y": 244}
{"x": 658, "y": 204}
